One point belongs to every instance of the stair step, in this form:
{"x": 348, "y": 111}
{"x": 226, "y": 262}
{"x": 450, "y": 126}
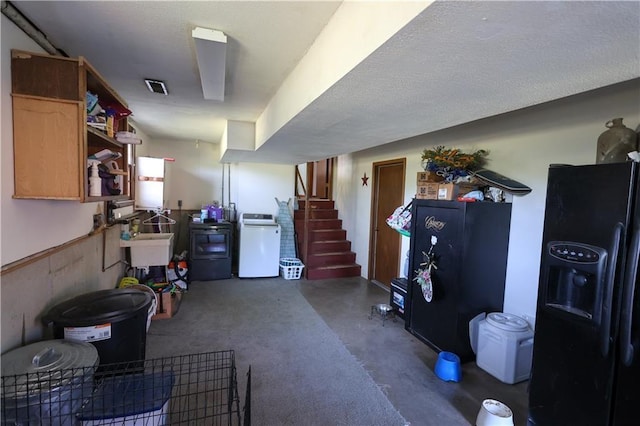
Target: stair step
{"x": 317, "y": 204}
{"x": 316, "y": 214}
{"x": 335, "y": 271}
{"x": 329, "y": 246}
{"x": 319, "y": 224}
{"x": 333, "y": 258}
{"x": 327, "y": 234}
{"x": 323, "y": 235}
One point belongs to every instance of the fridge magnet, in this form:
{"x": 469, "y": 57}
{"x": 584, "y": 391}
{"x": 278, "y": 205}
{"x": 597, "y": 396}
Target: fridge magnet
{"x": 423, "y": 274}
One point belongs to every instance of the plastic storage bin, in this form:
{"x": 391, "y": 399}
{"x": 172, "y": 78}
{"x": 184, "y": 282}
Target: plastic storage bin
{"x": 114, "y": 321}
{"x": 505, "y": 347}
{"x": 130, "y": 400}
{"x": 291, "y": 268}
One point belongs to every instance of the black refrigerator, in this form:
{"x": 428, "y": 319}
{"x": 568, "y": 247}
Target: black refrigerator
{"x": 468, "y": 277}
{"x": 585, "y": 368}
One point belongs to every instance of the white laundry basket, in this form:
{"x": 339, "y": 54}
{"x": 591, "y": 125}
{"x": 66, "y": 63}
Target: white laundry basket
{"x": 291, "y": 268}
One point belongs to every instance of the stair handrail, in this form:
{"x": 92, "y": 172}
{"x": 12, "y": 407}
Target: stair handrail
{"x": 307, "y": 217}
{"x": 299, "y": 181}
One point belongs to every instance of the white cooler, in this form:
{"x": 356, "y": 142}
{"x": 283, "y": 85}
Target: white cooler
{"x": 505, "y": 347}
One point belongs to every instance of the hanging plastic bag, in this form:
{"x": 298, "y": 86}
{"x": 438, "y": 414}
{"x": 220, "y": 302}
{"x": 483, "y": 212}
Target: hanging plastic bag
{"x": 400, "y": 220}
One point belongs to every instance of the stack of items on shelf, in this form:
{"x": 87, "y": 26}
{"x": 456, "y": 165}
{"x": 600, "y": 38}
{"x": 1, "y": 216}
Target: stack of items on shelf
{"x": 450, "y": 174}
{"x": 427, "y": 189}
{"x": 104, "y": 179}
{"x": 447, "y": 173}
{"x": 128, "y": 137}
{"x": 95, "y": 114}
{"x": 104, "y": 118}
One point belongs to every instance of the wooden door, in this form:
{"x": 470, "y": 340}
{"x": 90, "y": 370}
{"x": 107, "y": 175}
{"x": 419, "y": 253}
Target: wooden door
{"x": 388, "y": 194}
{"x": 322, "y": 175}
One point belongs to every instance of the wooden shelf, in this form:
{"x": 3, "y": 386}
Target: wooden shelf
{"x": 52, "y": 139}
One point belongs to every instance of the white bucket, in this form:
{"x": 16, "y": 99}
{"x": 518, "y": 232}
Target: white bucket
{"x": 154, "y": 302}
{"x": 494, "y": 413}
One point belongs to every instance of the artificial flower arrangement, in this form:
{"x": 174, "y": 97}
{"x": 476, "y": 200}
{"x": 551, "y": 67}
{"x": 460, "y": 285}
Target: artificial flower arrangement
{"x": 441, "y": 158}
{"x": 423, "y": 274}
{"x": 423, "y": 278}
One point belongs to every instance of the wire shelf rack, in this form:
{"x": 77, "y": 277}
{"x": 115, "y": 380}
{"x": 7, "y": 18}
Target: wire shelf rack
{"x": 195, "y": 389}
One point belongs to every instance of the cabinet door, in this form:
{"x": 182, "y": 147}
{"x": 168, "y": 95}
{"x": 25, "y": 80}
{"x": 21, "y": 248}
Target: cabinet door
{"x": 52, "y": 147}
{"x": 436, "y": 321}
{"x": 51, "y": 138}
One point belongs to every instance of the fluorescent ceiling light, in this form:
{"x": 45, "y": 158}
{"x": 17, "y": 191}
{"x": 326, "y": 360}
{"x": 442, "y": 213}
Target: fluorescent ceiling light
{"x": 211, "y": 51}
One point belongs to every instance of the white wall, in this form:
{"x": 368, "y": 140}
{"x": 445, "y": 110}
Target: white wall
{"x": 522, "y": 144}
{"x": 195, "y": 177}
{"x": 259, "y": 184}
{"x": 30, "y": 226}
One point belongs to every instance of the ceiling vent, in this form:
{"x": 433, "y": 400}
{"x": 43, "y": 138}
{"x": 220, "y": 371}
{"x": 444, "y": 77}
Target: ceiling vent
{"x": 156, "y": 86}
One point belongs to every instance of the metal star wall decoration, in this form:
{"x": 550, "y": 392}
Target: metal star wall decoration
{"x": 364, "y": 179}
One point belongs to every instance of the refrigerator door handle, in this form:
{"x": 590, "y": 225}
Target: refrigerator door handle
{"x": 608, "y": 289}
{"x": 630, "y": 277}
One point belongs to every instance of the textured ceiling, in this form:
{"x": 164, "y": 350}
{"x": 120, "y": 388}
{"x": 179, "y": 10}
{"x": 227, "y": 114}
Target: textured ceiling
{"x": 455, "y": 62}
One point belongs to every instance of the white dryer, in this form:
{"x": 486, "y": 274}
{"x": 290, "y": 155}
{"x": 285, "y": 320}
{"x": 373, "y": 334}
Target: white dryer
{"x": 259, "y": 246}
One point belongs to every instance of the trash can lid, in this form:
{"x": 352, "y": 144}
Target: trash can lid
{"x": 99, "y": 307}
{"x": 52, "y": 363}
{"x": 507, "y": 322}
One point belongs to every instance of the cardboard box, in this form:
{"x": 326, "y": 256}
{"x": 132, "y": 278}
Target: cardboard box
{"x": 424, "y": 177}
{"x": 168, "y": 305}
{"x": 451, "y": 191}
{"x": 427, "y": 191}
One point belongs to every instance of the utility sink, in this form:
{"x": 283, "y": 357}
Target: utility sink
{"x": 150, "y": 249}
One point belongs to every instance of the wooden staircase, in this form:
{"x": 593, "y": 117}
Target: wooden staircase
{"x": 329, "y": 252}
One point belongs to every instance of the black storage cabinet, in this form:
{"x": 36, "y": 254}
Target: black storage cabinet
{"x": 114, "y": 321}
{"x": 471, "y": 260}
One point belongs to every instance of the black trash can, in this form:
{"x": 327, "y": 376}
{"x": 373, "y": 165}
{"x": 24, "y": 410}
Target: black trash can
{"x": 114, "y": 321}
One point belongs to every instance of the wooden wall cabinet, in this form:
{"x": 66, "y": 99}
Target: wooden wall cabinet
{"x": 51, "y": 138}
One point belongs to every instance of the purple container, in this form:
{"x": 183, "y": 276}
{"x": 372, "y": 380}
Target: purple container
{"x": 215, "y": 212}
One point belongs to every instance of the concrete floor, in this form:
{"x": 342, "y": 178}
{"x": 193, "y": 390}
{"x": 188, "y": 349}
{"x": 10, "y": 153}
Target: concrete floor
{"x": 398, "y": 362}
{"x": 407, "y": 369}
